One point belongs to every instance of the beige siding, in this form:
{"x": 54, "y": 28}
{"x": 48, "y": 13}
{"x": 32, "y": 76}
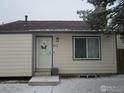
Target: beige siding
{"x": 15, "y": 55}
{"x": 120, "y": 42}
{"x": 62, "y": 55}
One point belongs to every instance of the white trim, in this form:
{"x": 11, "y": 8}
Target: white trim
{"x": 86, "y": 47}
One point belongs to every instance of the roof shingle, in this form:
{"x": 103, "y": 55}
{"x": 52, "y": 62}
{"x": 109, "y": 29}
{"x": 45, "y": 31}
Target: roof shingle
{"x": 30, "y": 25}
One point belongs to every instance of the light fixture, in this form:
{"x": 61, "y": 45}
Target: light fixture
{"x": 57, "y": 39}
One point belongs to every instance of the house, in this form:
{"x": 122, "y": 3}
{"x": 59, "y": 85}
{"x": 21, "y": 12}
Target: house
{"x": 30, "y": 48}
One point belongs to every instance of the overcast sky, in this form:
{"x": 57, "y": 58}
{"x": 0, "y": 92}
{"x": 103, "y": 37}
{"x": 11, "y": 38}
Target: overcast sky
{"x": 13, "y": 10}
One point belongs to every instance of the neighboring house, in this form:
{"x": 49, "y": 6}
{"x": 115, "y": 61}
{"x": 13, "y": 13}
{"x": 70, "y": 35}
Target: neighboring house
{"x": 34, "y": 47}
{"x": 120, "y": 41}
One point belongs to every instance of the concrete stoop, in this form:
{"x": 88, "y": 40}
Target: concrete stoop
{"x": 44, "y": 81}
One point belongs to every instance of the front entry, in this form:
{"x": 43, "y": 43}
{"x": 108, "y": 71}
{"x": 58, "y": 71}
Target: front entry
{"x": 43, "y": 53}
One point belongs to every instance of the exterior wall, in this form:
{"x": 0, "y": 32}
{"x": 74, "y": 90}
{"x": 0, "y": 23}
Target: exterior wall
{"x": 15, "y": 55}
{"x": 62, "y": 55}
{"x": 120, "y": 43}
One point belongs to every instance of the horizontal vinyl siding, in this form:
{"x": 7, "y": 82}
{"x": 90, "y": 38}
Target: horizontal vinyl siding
{"x": 62, "y": 55}
{"x": 15, "y": 55}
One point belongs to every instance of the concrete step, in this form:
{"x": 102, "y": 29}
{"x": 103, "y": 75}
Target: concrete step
{"x": 44, "y": 81}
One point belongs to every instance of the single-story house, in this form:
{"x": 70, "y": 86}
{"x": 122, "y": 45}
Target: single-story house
{"x": 30, "y": 48}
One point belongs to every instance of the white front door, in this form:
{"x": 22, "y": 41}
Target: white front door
{"x": 44, "y": 52}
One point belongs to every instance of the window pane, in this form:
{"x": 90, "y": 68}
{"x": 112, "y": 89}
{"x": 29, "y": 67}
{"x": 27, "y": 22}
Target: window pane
{"x": 80, "y": 48}
{"x": 93, "y": 48}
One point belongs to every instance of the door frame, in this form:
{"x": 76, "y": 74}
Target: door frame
{"x": 35, "y": 54}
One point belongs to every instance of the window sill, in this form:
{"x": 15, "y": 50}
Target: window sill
{"x": 92, "y": 59}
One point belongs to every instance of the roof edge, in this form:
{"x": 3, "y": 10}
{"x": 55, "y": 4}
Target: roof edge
{"x": 57, "y": 31}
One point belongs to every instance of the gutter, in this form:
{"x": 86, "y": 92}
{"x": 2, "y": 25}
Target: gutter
{"x": 58, "y": 31}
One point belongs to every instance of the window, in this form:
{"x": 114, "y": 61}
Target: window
{"x": 86, "y": 47}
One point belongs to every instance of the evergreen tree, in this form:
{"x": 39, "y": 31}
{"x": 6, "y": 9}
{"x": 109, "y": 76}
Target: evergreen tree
{"x": 102, "y": 18}
{"x": 117, "y": 16}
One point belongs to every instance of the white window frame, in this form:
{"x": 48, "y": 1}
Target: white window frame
{"x": 86, "y": 37}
